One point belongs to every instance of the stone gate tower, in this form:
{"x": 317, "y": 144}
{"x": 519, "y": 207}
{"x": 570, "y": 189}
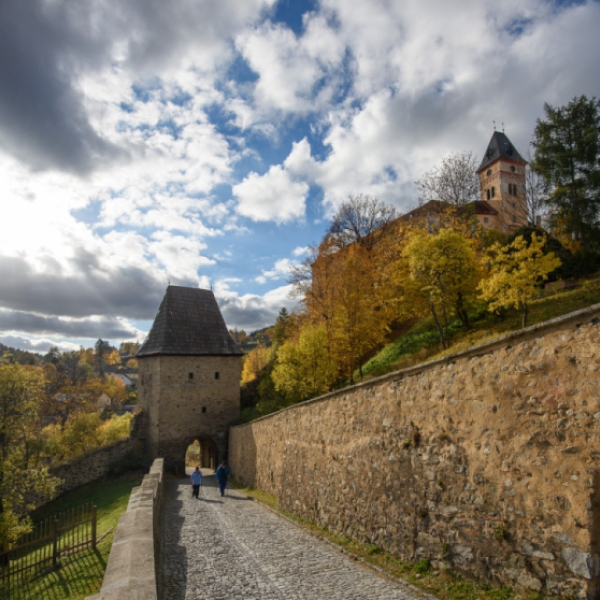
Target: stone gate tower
{"x": 502, "y": 183}
{"x": 189, "y": 374}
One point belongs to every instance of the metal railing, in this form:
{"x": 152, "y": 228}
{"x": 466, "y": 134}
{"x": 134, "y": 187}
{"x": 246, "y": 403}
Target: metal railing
{"x": 51, "y": 539}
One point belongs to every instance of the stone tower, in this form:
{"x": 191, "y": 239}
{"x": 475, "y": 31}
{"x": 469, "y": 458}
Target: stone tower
{"x": 189, "y": 374}
{"x": 502, "y": 183}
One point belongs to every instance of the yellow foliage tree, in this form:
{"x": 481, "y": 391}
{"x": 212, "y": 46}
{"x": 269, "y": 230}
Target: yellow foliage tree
{"x": 20, "y": 424}
{"x": 115, "y": 389}
{"x": 81, "y": 434}
{"x": 516, "y": 272}
{"x": 444, "y": 271}
{"x": 303, "y": 368}
{"x": 361, "y": 314}
{"x": 116, "y": 428}
{"x": 254, "y": 362}
{"x": 112, "y": 358}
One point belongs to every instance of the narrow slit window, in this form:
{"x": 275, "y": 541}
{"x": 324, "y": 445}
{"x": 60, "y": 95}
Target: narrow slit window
{"x": 216, "y": 374}
{"x": 190, "y": 376}
{"x": 204, "y": 409}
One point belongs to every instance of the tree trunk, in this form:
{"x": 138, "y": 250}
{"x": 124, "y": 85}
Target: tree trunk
{"x": 437, "y": 324}
{"x": 525, "y": 313}
{"x": 462, "y": 313}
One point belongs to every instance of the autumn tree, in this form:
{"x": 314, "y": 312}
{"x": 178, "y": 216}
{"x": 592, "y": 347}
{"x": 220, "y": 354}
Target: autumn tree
{"x": 361, "y": 313}
{"x": 112, "y": 358}
{"x": 454, "y": 181}
{"x": 445, "y": 272}
{"x": 20, "y": 423}
{"x": 115, "y": 389}
{"x": 303, "y": 369}
{"x": 567, "y": 156}
{"x": 129, "y": 348}
{"x": 256, "y": 360}
{"x": 516, "y": 272}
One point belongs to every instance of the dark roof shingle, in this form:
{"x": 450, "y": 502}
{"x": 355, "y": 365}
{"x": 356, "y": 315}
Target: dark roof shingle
{"x": 190, "y": 323}
{"x": 500, "y": 147}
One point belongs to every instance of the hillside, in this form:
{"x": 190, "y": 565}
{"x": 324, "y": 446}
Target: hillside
{"x": 417, "y": 340}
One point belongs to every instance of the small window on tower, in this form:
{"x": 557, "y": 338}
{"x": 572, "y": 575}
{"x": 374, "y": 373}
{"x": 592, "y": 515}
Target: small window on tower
{"x": 216, "y": 374}
{"x": 489, "y": 172}
{"x": 514, "y": 218}
{"x": 512, "y": 168}
{"x": 190, "y": 376}
{"x": 485, "y": 219}
{"x": 487, "y": 192}
{"x": 493, "y": 191}
{"x": 204, "y": 409}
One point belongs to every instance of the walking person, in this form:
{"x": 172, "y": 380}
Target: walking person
{"x": 222, "y": 475}
{"x": 196, "y": 478}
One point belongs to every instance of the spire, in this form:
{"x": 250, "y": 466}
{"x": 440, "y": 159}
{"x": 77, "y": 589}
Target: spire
{"x": 500, "y": 147}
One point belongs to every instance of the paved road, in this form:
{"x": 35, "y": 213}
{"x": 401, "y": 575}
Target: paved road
{"x": 233, "y": 548}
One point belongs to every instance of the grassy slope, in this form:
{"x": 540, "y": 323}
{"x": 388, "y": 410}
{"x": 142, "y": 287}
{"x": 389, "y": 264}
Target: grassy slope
{"x": 81, "y": 574}
{"x": 422, "y": 341}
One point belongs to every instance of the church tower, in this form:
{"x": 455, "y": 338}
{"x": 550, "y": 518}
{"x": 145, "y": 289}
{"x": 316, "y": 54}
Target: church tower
{"x": 502, "y": 184}
{"x": 189, "y": 378}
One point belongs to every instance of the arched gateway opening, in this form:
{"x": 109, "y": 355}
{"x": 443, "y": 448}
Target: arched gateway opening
{"x": 202, "y": 452}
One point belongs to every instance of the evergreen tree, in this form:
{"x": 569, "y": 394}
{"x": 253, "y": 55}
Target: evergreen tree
{"x": 567, "y": 156}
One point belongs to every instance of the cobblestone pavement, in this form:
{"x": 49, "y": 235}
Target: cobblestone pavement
{"x": 233, "y": 548}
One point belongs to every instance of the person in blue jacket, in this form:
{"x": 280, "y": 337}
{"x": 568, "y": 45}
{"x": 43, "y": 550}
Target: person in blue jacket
{"x": 222, "y": 475}
{"x": 196, "y": 478}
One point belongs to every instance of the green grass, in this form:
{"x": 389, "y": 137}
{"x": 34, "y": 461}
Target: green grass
{"x": 443, "y": 584}
{"x": 422, "y": 341}
{"x": 80, "y": 575}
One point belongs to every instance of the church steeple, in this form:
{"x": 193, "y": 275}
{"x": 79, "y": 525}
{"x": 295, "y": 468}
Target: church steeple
{"x": 502, "y": 183}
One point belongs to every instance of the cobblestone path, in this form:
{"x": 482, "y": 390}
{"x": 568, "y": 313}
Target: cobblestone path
{"x": 233, "y": 548}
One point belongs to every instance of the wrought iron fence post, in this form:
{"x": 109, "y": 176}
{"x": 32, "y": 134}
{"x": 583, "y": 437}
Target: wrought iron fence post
{"x": 55, "y": 543}
{"x": 94, "y": 517}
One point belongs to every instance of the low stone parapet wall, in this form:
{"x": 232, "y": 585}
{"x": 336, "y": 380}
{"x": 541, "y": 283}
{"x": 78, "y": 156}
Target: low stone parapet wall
{"x": 132, "y": 564}
{"x": 487, "y": 461}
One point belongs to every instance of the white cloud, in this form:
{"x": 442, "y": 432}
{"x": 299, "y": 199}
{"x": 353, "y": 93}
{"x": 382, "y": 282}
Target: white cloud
{"x": 273, "y": 196}
{"x": 280, "y": 270}
{"x": 301, "y": 251}
{"x": 251, "y": 311}
{"x": 295, "y": 74}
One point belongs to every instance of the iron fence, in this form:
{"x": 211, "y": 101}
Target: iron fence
{"x": 51, "y": 539}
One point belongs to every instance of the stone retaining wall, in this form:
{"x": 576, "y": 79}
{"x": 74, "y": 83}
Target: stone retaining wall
{"x": 131, "y": 569}
{"x": 93, "y": 465}
{"x": 486, "y": 461}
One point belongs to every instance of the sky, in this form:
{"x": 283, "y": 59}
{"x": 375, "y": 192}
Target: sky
{"x": 207, "y": 143}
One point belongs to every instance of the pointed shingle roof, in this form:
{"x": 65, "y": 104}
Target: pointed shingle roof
{"x": 500, "y": 147}
{"x": 189, "y": 323}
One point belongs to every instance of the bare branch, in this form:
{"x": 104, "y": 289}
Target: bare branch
{"x": 358, "y": 219}
{"x": 455, "y": 181}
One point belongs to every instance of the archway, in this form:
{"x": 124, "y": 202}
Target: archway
{"x": 202, "y": 452}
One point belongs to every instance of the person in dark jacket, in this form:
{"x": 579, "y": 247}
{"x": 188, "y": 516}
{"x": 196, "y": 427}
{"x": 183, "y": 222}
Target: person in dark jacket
{"x": 222, "y": 475}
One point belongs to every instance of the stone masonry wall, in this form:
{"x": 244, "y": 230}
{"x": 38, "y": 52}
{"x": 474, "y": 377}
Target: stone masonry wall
{"x": 88, "y": 467}
{"x": 487, "y": 461}
{"x": 131, "y": 570}
{"x": 181, "y": 408}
